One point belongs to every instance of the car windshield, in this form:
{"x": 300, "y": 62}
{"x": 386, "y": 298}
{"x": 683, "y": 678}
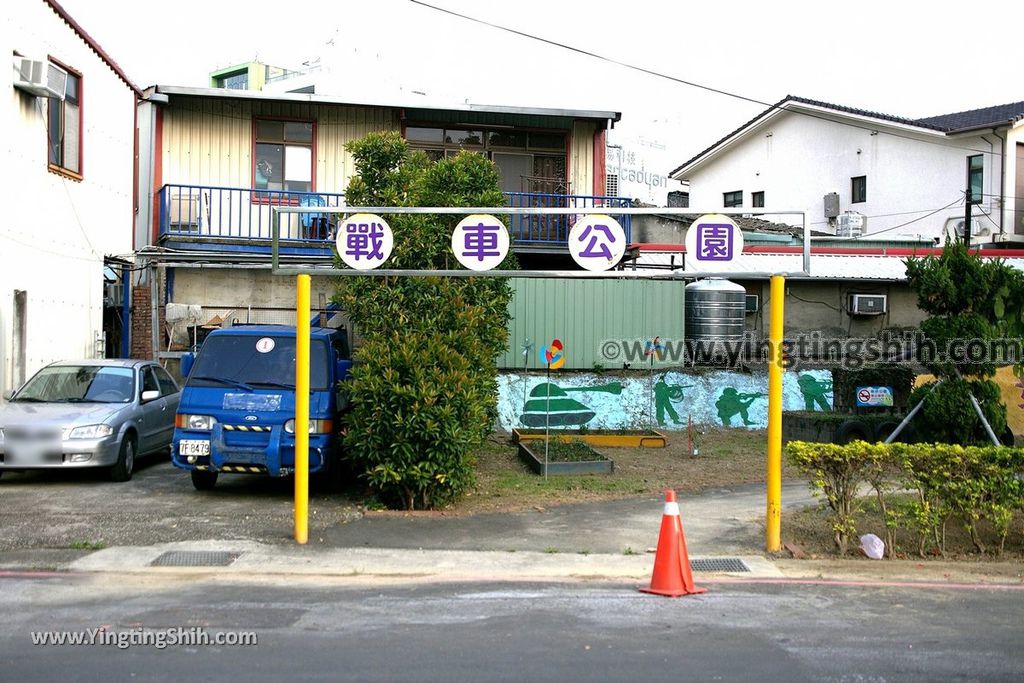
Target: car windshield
{"x": 79, "y": 383}
{"x": 264, "y": 362}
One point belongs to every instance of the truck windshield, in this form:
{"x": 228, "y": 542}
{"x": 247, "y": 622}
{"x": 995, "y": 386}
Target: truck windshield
{"x": 259, "y": 362}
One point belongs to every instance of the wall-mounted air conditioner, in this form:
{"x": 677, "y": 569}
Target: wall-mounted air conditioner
{"x": 40, "y": 77}
{"x": 867, "y": 304}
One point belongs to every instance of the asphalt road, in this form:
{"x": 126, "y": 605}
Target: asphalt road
{"x": 68, "y": 509}
{"x": 316, "y": 630}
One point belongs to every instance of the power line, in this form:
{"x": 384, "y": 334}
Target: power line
{"x": 692, "y": 84}
{"x": 920, "y": 218}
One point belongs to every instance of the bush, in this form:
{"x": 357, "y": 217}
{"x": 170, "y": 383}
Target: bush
{"x": 948, "y": 481}
{"x": 424, "y": 385}
{"x": 948, "y": 415}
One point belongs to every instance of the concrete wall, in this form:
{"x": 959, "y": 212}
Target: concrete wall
{"x": 56, "y": 228}
{"x": 796, "y": 160}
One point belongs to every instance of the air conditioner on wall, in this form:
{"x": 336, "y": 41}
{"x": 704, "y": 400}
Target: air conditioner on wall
{"x": 867, "y": 304}
{"x": 40, "y": 77}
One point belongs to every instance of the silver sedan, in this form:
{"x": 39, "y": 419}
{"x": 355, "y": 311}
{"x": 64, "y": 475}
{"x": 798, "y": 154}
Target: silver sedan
{"x": 94, "y": 413}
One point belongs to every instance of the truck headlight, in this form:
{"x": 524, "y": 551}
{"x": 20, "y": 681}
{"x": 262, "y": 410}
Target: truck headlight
{"x": 315, "y": 426}
{"x": 89, "y": 432}
{"x": 199, "y": 423}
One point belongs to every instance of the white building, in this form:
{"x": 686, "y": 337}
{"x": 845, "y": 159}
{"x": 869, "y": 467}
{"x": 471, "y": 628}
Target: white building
{"x": 69, "y": 148}
{"x": 894, "y": 175}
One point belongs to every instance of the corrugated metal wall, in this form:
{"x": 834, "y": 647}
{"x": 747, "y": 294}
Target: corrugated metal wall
{"x": 584, "y": 314}
{"x": 581, "y": 158}
{"x": 209, "y": 142}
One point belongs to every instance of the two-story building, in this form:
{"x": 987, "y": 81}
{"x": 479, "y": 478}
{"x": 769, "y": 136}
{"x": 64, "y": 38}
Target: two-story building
{"x": 857, "y": 172}
{"x": 218, "y": 160}
{"x": 66, "y": 236}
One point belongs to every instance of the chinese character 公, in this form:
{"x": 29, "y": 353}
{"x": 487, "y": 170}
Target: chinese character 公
{"x": 591, "y": 250}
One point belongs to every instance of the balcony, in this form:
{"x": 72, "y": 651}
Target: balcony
{"x": 196, "y": 217}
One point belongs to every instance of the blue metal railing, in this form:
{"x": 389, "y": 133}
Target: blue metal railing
{"x": 197, "y": 212}
{"x": 201, "y": 212}
{"x": 541, "y": 230}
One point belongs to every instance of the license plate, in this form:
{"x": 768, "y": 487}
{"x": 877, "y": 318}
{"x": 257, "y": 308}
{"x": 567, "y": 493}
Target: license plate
{"x": 191, "y": 447}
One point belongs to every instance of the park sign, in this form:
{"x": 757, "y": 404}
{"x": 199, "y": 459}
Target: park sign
{"x": 364, "y": 241}
{"x": 712, "y": 239}
{"x": 874, "y": 397}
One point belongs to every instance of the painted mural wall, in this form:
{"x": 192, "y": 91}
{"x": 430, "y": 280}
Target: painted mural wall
{"x": 661, "y": 400}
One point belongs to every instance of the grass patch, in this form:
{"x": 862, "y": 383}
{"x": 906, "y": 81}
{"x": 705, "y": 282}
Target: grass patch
{"x": 88, "y": 545}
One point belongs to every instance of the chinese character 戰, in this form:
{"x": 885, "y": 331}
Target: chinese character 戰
{"x": 714, "y": 242}
{"x": 592, "y": 250}
{"x": 364, "y": 240}
{"x": 481, "y": 241}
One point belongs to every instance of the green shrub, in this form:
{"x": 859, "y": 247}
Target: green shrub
{"x": 948, "y": 415}
{"x": 949, "y": 481}
{"x": 424, "y": 384}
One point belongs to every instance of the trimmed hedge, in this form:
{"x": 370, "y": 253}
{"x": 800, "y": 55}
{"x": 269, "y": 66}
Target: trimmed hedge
{"x": 967, "y": 483}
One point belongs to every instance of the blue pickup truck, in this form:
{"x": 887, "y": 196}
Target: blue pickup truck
{"x": 237, "y": 409}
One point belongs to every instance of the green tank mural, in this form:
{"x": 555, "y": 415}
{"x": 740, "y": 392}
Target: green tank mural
{"x": 664, "y": 401}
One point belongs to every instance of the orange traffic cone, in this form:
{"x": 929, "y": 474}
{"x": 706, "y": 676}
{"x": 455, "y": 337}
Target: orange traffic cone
{"x": 672, "y": 576}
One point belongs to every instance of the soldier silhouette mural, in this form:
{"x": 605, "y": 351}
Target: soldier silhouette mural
{"x": 731, "y": 403}
{"x": 664, "y": 395}
{"x": 816, "y": 392}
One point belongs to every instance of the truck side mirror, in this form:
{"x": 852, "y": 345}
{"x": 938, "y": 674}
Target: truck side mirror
{"x": 187, "y": 361}
{"x": 342, "y": 369}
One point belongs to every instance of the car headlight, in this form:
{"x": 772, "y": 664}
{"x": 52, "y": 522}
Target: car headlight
{"x": 315, "y": 426}
{"x": 90, "y": 432}
{"x": 199, "y": 423}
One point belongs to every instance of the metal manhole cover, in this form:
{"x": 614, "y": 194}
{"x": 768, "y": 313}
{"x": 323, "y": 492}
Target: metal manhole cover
{"x": 195, "y": 558}
{"x": 718, "y": 564}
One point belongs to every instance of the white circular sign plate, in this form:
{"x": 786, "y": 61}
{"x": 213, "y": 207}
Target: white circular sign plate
{"x": 364, "y": 241}
{"x": 597, "y": 242}
{"x": 480, "y": 242}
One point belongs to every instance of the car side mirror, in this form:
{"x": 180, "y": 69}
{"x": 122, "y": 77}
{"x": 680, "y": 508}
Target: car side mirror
{"x": 187, "y": 361}
{"x": 150, "y": 395}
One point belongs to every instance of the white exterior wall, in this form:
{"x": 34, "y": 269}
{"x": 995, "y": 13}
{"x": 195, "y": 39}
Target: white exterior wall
{"x": 796, "y": 160}
{"x": 56, "y": 230}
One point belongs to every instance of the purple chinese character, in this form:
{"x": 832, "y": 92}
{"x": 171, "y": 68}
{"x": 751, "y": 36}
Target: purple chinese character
{"x": 591, "y": 250}
{"x": 481, "y": 240}
{"x": 714, "y": 242}
{"x": 360, "y": 237}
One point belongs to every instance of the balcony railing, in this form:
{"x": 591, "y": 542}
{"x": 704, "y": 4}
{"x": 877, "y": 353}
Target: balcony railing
{"x": 199, "y": 214}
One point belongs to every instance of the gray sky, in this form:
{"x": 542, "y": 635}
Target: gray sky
{"x": 900, "y": 57}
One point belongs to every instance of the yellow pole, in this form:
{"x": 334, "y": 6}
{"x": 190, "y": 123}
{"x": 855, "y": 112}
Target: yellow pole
{"x": 773, "y": 521}
{"x": 302, "y": 409}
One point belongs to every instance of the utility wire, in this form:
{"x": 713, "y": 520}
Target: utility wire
{"x": 920, "y": 218}
{"x": 726, "y": 93}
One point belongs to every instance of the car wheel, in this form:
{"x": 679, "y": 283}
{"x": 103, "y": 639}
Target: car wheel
{"x": 122, "y": 469}
{"x": 887, "y": 427}
{"x": 203, "y": 480}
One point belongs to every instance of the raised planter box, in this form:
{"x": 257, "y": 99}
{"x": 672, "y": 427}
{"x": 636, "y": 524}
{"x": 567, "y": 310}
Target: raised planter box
{"x": 532, "y": 453}
{"x": 610, "y": 438}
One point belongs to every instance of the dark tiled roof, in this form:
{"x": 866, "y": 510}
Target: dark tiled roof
{"x": 816, "y": 103}
{"x": 976, "y": 118}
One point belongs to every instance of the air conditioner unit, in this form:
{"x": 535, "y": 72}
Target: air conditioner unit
{"x": 753, "y": 303}
{"x": 867, "y": 304}
{"x": 113, "y": 295}
{"x": 40, "y": 77}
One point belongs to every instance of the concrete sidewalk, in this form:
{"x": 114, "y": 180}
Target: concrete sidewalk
{"x": 612, "y": 540}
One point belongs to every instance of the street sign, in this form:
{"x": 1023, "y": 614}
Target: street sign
{"x": 712, "y": 239}
{"x": 873, "y": 397}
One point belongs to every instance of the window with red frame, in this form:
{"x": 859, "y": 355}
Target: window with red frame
{"x": 64, "y": 127}
{"x": 283, "y": 158}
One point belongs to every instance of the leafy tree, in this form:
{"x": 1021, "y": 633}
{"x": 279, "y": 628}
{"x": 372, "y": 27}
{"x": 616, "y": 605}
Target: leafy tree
{"x": 423, "y": 390}
{"x": 971, "y": 301}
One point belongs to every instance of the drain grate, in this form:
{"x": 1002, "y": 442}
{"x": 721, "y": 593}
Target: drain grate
{"x": 195, "y": 558}
{"x": 718, "y": 564}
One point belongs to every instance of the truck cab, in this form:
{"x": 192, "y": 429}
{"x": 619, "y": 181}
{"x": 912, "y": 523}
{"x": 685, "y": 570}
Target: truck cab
{"x": 237, "y": 409}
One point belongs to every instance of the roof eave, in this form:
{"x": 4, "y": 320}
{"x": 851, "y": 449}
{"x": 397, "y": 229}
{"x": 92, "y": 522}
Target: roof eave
{"x": 309, "y": 98}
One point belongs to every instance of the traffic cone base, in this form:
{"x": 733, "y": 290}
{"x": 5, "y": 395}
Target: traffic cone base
{"x": 672, "y": 576}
